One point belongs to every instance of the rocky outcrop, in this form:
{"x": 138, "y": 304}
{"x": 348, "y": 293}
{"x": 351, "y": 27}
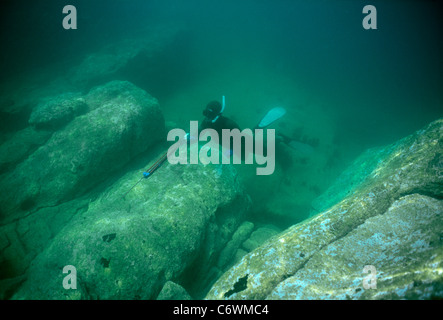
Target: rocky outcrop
{"x": 56, "y": 111}
{"x": 390, "y": 219}
{"x": 19, "y": 146}
{"x": 84, "y": 152}
{"x": 66, "y": 205}
{"x": 173, "y": 291}
{"x": 130, "y": 247}
{"x": 49, "y": 174}
{"x": 396, "y": 255}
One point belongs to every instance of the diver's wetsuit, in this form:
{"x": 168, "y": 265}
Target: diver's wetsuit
{"x": 221, "y": 123}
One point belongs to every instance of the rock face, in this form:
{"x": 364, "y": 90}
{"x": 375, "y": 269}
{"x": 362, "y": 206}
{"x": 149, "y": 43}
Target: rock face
{"x": 57, "y": 111}
{"x": 259, "y": 236}
{"x": 403, "y": 245}
{"x": 83, "y": 153}
{"x": 173, "y": 291}
{"x": 65, "y": 205}
{"x": 48, "y": 173}
{"x": 128, "y": 248}
{"x": 390, "y": 219}
{"x": 17, "y": 148}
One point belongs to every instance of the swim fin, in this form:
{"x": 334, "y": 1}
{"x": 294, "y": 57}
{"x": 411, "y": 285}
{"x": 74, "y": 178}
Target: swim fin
{"x": 302, "y": 149}
{"x": 273, "y": 115}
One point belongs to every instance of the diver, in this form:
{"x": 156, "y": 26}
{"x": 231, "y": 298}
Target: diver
{"x": 214, "y": 118}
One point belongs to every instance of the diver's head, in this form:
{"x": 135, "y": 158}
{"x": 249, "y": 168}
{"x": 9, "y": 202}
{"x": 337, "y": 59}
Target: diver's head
{"x": 213, "y": 111}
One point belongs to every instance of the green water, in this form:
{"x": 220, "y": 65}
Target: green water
{"x": 345, "y": 89}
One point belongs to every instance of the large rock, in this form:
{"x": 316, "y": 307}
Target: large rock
{"x": 20, "y": 94}
{"x": 19, "y": 146}
{"x": 392, "y": 220}
{"x": 84, "y": 153}
{"x": 173, "y": 291}
{"x": 22, "y": 240}
{"x": 259, "y": 236}
{"x": 351, "y": 178}
{"x": 228, "y": 252}
{"x": 56, "y": 111}
{"x": 403, "y": 245}
{"x": 130, "y": 247}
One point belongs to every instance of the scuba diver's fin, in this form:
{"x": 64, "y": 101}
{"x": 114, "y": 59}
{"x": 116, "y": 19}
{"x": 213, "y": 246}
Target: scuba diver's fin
{"x": 273, "y": 115}
{"x": 303, "y": 149}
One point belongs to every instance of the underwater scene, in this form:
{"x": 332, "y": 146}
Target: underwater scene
{"x": 221, "y": 150}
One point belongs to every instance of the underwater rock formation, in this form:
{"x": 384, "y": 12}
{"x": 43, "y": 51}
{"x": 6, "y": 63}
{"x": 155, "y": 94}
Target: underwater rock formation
{"x": 84, "y": 152}
{"x": 403, "y": 244}
{"x": 19, "y": 146}
{"x": 21, "y": 94}
{"x": 229, "y": 251}
{"x": 57, "y": 111}
{"x": 66, "y": 205}
{"x": 390, "y": 219}
{"x": 167, "y": 228}
{"x": 173, "y": 291}
{"x": 259, "y": 236}
{"x": 50, "y": 176}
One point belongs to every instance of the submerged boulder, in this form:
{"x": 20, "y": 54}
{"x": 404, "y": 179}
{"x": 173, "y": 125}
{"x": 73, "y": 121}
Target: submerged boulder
{"x": 19, "y": 146}
{"x": 396, "y": 255}
{"x": 82, "y": 154}
{"x": 56, "y": 111}
{"x": 130, "y": 247}
{"x": 391, "y": 220}
{"x": 173, "y": 291}
{"x": 259, "y": 236}
{"x": 22, "y": 240}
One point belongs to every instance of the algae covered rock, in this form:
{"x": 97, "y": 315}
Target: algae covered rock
{"x": 22, "y": 240}
{"x": 173, "y": 291}
{"x": 240, "y": 235}
{"x": 129, "y": 247}
{"x": 19, "y": 146}
{"x": 350, "y": 178}
{"x": 84, "y": 152}
{"x": 392, "y": 220}
{"x": 55, "y": 112}
{"x": 259, "y": 236}
{"x": 403, "y": 247}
